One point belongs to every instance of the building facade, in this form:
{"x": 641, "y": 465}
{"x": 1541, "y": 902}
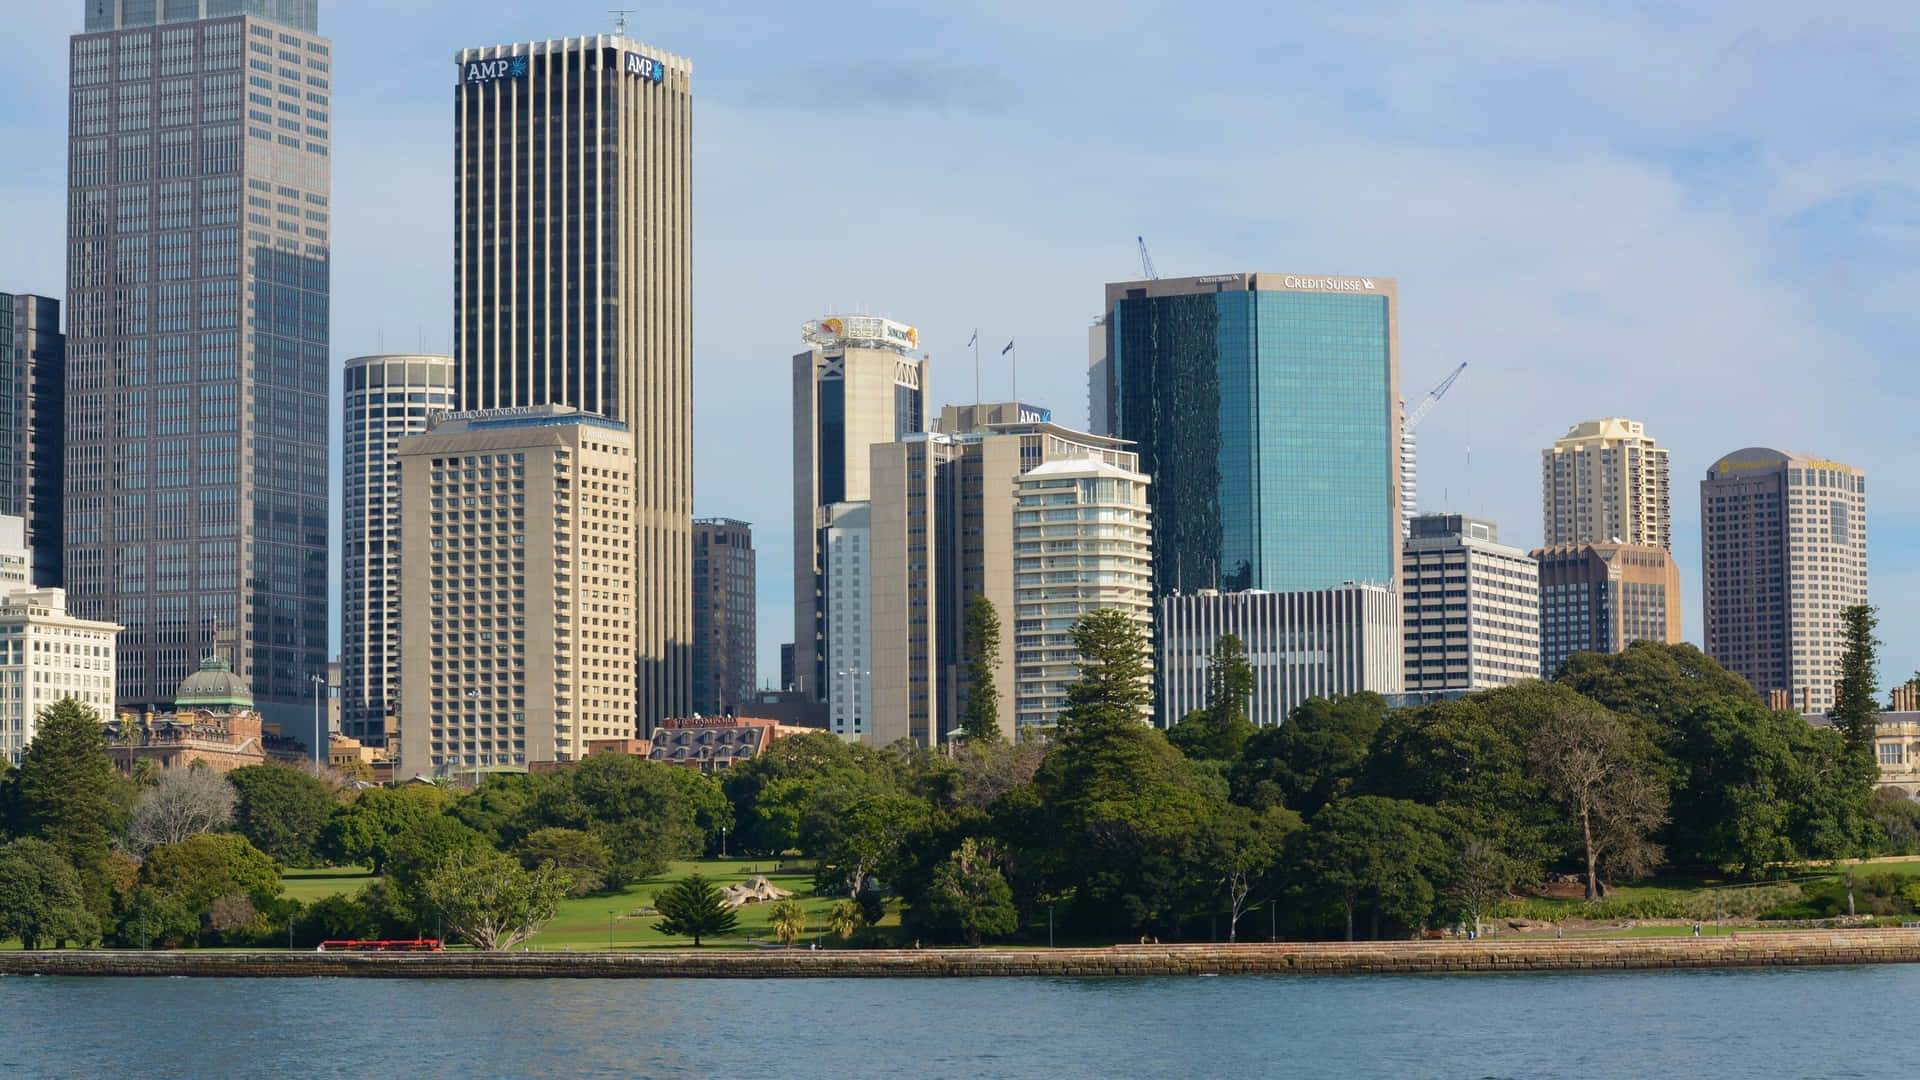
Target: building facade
{"x": 33, "y": 441}
{"x": 1326, "y": 643}
{"x": 1600, "y": 598}
{"x": 1082, "y": 542}
{"x": 197, "y": 370}
{"x": 47, "y": 655}
{"x": 725, "y": 634}
{"x": 388, "y": 398}
{"x": 1783, "y": 548}
{"x": 847, "y": 555}
{"x": 1605, "y": 481}
{"x": 859, "y": 385}
{"x": 1266, "y": 407}
{"x": 572, "y": 285}
{"x": 516, "y": 599}
{"x": 1472, "y": 606}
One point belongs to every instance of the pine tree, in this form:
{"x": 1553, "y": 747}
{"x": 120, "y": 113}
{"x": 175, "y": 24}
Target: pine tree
{"x": 980, "y": 718}
{"x": 65, "y": 794}
{"x": 693, "y": 907}
{"x": 1855, "y": 710}
{"x": 1114, "y": 685}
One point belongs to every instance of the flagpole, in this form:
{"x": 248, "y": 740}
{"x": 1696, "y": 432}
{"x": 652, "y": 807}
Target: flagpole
{"x": 976, "y": 374}
{"x": 1016, "y": 379}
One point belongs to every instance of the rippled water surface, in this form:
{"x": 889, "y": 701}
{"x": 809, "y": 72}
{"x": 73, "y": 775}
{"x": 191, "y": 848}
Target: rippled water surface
{"x": 1847, "y": 1022}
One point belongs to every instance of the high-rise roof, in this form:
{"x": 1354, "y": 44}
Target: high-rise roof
{"x": 125, "y": 14}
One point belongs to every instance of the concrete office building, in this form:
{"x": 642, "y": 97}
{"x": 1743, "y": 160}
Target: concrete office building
{"x": 1099, "y": 379}
{"x": 1325, "y": 643}
{"x": 1266, "y": 407}
{"x": 197, "y": 331}
{"x": 725, "y": 635}
{"x": 1605, "y": 481}
{"x": 388, "y": 398}
{"x": 1082, "y": 542}
{"x": 846, "y": 554}
{"x": 942, "y": 532}
{"x": 1783, "y": 551}
{"x": 573, "y": 267}
{"x": 858, "y": 385}
{"x": 1601, "y": 598}
{"x": 1472, "y": 606}
{"x": 33, "y": 440}
{"x": 516, "y": 602}
{"x": 46, "y": 654}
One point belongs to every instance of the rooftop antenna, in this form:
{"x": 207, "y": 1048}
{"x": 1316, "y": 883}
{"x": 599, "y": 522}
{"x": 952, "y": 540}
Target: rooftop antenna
{"x": 620, "y": 24}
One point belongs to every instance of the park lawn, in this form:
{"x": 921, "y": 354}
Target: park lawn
{"x": 307, "y": 886}
{"x": 582, "y": 923}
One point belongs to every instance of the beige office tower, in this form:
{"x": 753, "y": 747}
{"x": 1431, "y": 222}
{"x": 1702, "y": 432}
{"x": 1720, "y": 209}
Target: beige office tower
{"x": 858, "y": 386}
{"x": 573, "y": 282}
{"x": 942, "y": 520}
{"x": 1783, "y": 552}
{"x": 1605, "y": 481}
{"x": 1081, "y": 542}
{"x": 1471, "y": 606}
{"x": 516, "y": 608}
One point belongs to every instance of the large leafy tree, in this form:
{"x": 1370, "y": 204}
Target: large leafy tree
{"x": 1653, "y": 685}
{"x": 66, "y": 794}
{"x": 980, "y": 716}
{"x": 1384, "y": 856}
{"x": 414, "y": 857}
{"x": 872, "y": 841}
{"x": 969, "y": 897}
{"x": 201, "y": 869}
{"x": 492, "y": 902}
{"x": 41, "y": 901}
{"x": 282, "y": 811}
{"x": 365, "y": 830}
{"x": 1856, "y": 710}
{"x": 693, "y": 907}
{"x": 582, "y": 855}
{"x": 1313, "y": 758}
{"x": 1241, "y": 850}
{"x": 634, "y": 806}
{"x": 1220, "y": 731}
{"x": 1613, "y": 796}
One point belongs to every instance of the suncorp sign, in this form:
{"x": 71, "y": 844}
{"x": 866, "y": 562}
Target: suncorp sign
{"x": 645, "y": 66}
{"x": 506, "y": 67}
{"x": 1330, "y": 284}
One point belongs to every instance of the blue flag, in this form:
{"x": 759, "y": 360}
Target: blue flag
{"x": 1008, "y": 349}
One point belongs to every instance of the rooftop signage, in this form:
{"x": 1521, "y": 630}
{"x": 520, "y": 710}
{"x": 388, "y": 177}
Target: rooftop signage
{"x": 860, "y": 330}
{"x": 1329, "y": 284}
{"x": 645, "y": 67}
{"x": 505, "y": 67}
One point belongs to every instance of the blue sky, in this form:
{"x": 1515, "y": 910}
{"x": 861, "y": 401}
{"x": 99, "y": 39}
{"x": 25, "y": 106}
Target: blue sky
{"x": 1701, "y": 216}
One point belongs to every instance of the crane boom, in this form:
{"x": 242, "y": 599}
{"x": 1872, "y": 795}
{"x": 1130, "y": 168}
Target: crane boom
{"x": 1433, "y": 398}
{"x": 1146, "y": 261}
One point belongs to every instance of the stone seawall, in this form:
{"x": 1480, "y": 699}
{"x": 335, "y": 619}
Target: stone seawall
{"x": 1781, "y": 949}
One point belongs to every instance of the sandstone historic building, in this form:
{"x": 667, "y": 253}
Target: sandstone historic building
{"x": 213, "y": 722}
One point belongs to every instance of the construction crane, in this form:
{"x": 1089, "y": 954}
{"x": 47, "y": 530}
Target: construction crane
{"x": 1409, "y": 466}
{"x": 1146, "y": 261}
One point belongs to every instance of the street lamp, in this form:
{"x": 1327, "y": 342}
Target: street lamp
{"x": 474, "y": 695}
{"x": 1049, "y": 926}
{"x": 319, "y": 734}
{"x": 1273, "y": 923}
{"x": 609, "y": 930}
{"x": 723, "y": 841}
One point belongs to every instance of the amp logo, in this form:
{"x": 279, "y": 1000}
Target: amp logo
{"x": 506, "y": 67}
{"x": 645, "y": 66}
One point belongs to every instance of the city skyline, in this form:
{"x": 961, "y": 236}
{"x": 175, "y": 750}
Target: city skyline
{"x": 1539, "y": 235}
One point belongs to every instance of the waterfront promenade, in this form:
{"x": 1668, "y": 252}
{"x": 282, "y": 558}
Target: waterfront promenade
{"x": 1808, "y": 948}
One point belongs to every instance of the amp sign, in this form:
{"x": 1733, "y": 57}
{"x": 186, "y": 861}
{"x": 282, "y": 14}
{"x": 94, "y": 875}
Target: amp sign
{"x": 506, "y": 67}
{"x": 645, "y": 66}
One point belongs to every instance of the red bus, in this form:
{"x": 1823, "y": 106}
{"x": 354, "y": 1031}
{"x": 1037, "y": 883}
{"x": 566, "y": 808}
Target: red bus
{"x": 410, "y": 945}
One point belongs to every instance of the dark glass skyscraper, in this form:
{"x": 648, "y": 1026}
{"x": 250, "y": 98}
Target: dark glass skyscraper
{"x": 1265, "y": 407}
{"x": 33, "y": 387}
{"x": 725, "y": 632}
{"x": 196, "y": 390}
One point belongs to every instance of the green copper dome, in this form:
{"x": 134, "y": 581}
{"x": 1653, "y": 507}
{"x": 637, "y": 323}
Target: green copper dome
{"x": 214, "y": 686}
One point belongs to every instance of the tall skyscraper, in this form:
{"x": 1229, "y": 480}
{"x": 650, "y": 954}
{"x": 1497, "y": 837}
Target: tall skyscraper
{"x": 516, "y": 602}
{"x": 33, "y": 425}
{"x": 573, "y": 281}
{"x": 1322, "y": 643}
{"x": 1783, "y": 551}
{"x": 1605, "y": 481}
{"x": 387, "y": 399}
{"x": 1266, "y": 407}
{"x": 1082, "y": 542}
{"x": 725, "y": 633}
{"x": 859, "y": 385}
{"x": 1472, "y": 606}
{"x": 1603, "y": 597}
{"x": 846, "y": 554}
{"x": 197, "y": 372}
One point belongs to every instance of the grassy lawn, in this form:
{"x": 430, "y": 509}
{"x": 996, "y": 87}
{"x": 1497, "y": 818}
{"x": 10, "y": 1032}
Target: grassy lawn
{"x": 307, "y": 886}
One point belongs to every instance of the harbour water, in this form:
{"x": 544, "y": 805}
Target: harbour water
{"x": 1827, "y": 1022}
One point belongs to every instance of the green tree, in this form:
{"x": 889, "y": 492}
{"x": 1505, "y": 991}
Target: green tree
{"x": 1733, "y": 803}
{"x": 844, "y": 918}
{"x": 490, "y": 901}
{"x": 1380, "y": 855}
{"x": 1856, "y": 710}
{"x": 1313, "y": 758}
{"x": 41, "y": 900}
{"x": 416, "y": 854}
{"x": 1481, "y": 876}
{"x": 66, "y": 794}
{"x": 363, "y": 832}
{"x": 970, "y": 897}
{"x": 201, "y": 869}
{"x": 693, "y": 907}
{"x": 1220, "y": 731}
{"x": 1242, "y": 849}
{"x": 1652, "y": 684}
{"x": 980, "y": 716}
{"x": 634, "y": 806}
{"x": 582, "y": 855}
{"x": 788, "y": 920}
{"x": 149, "y": 917}
{"x": 282, "y": 811}
{"x": 872, "y": 839}
{"x": 1613, "y": 796}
